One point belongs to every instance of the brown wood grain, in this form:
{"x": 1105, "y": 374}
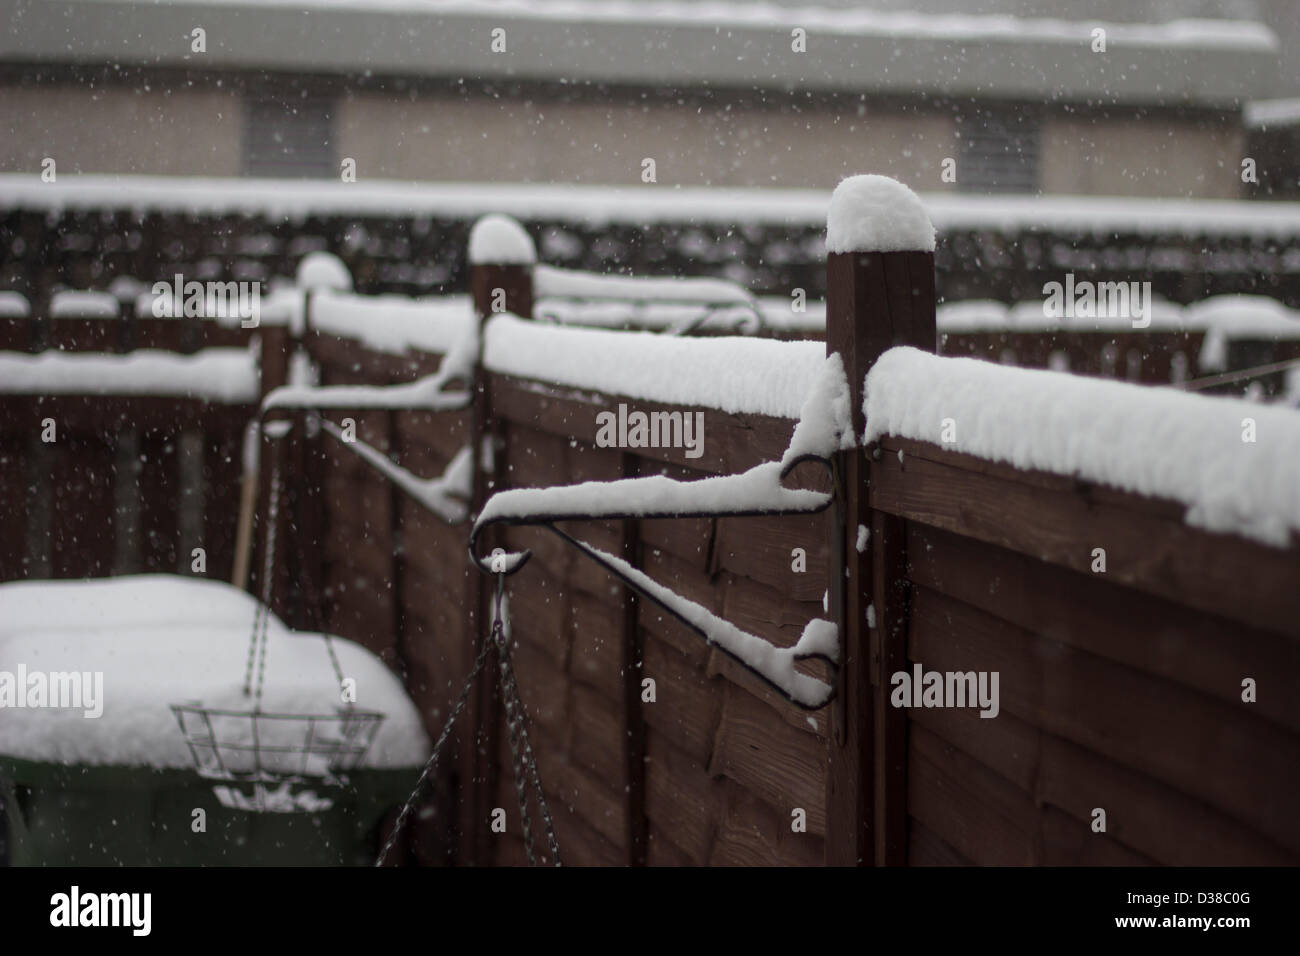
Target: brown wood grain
{"x": 1217, "y": 752}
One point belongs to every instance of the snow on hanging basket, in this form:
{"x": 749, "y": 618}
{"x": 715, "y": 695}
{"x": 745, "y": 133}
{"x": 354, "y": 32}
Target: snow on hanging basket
{"x": 273, "y": 762}
{"x": 265, "y": 760}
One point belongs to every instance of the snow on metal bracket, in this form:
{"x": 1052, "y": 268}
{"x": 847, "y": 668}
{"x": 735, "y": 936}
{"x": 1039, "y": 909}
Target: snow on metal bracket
{"x": 823, "y": 429}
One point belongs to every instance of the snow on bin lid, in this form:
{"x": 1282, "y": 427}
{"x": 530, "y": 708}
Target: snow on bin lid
{"x": 500, "y": 240}
{"x": 162, "y": 639}
{"x": 877, "y": 214}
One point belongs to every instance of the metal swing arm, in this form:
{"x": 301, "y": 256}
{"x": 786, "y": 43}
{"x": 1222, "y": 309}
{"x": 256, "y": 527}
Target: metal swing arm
{"x": 773, "y": 665}
{"x": 446, "y": 495}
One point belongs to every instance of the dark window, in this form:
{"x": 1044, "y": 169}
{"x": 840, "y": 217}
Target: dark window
{"x": 999, "y": 153}
{"x": 289, "y": 137}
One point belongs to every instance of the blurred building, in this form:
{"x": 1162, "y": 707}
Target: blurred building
{"x": 1015, "y": 94}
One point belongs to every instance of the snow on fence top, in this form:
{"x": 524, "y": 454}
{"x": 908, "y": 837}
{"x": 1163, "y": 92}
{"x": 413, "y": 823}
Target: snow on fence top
{"x": 743, "y": 375}
{"x": 499, "y": 240}
{"x": 217, "y": 375}
{"x": 69, "y": 304}
{"x": 571, "y": 283}
{"x": 396, "y": 323}
{"x": 162, "y": 639}
{"x": 599, "y": 205}
{"x": 1156, "y": 442}
{"x": 14, "y": 305}
{"x": 877, "y": 214}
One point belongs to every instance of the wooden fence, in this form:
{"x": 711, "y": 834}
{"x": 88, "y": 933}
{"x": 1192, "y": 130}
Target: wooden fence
{"x": 1122, "y": 692}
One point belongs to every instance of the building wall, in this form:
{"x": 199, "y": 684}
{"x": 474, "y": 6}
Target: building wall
{"x": 120, "y": 129}
{"x": 449, "y": 137}
{"x": 1153, "y": 156}
{"x": 587, "y": 141}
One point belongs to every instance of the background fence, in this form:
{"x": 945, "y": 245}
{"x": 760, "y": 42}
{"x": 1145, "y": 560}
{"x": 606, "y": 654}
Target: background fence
{"x": 1115, "y": 689}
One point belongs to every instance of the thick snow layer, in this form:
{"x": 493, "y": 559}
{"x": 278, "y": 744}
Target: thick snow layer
{"x": 445, "y": 390}
{"x": 877, "y": 214}
{"x": 14, "y": 305}
{"x": 160, "y": 640}
{"x": 394, "y": 323}
{"x": 825, "y": 425}
{"x": 1161, "y": 443}
{"x": 500, "y": 240}
{"x": 69, "y": 304}
{"x": 757, "y": 376}
{"x": 600, "y": 205}
{"x": 323, "y": 270}
{"x": 216, "y": 375}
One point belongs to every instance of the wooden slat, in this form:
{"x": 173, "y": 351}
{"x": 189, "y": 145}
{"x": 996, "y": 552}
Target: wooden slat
{"x": 1089, "y": 612}
{"x": 160, "y": 499}
{"x": 687, "y": 705}
{"x": 82, "y": 505}
{"x": 751, "y": 833}
{"x": 990, "y": 821}
{"x": 1145, "y": 550}
{"x": 682, "y": 801}
{"x": 1217, "y": 752}
{"x": 14, "y": 446}
{"x": 732, "y": 442}
{"x": 1151, "y": 818}
{"x": 771, "y": 759}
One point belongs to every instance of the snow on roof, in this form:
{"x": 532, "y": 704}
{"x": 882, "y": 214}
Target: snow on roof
{"x": 1157, "y": 442}
{"x": 757, "y": 376}
{"x": 877, "y": 214}
{"x": 217, "y": 375}
{"x": 720, "y": 44}
{"x": 163, "y": 639}
{"x": 1272, "y": 114}
{"x": 500, "y": 240}
{"x": 296, "y": 200}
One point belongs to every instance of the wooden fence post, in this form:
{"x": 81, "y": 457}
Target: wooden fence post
{"x": 277, "y": 344}
{"x": 501, "y": 259}
{"x": 880, "y": 294}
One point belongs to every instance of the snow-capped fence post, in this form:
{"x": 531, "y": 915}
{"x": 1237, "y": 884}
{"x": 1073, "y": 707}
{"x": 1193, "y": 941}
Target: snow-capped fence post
{"x": 880, "y": 294}
{"x": 501, "y": 258}
{"x": 318, "y": 273}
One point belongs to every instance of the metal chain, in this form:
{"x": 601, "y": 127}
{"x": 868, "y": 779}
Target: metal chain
{"x": 268, "y": 569}
{"x": 513, "y": 721}
{"x": 523, "y": 752}
{"x": 261, "y": 617}
{"x": 432, "y": 762}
